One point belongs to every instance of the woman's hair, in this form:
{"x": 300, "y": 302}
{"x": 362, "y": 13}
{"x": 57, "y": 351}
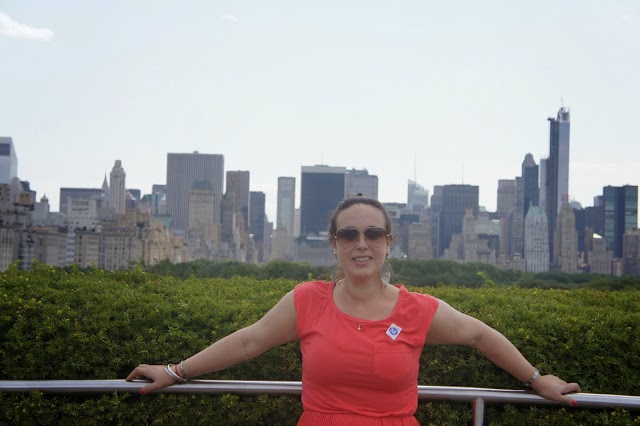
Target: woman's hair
{"x": 358, "y": 199}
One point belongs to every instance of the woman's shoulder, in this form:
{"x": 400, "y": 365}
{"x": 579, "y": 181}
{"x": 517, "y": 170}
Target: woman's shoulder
{"x": 424, "y": 299}
{"x": 311, "y": 289}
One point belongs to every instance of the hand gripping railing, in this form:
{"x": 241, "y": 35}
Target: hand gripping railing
{"x": 479, "y": 397}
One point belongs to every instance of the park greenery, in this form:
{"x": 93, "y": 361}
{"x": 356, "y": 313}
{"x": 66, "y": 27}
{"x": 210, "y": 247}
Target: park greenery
{"x": 95, "y": 324}
{"x": 418, "y": 273}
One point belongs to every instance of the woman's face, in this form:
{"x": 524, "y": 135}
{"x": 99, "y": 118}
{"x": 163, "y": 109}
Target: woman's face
{"x": 361, "y": 257}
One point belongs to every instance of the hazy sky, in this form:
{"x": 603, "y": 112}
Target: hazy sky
{"x": 444, "y": 92}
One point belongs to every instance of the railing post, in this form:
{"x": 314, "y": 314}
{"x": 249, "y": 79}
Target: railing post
{"x": 478, "y": 412}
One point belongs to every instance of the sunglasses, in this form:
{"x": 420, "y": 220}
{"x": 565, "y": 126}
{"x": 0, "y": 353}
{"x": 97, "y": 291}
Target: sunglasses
{"x": 373, "y": 234}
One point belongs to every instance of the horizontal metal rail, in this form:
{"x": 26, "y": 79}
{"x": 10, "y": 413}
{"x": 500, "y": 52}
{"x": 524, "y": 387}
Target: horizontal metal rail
{"x": 479, "y": 397}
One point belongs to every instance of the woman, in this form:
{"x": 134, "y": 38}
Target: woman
{"x": 360, "y": 338}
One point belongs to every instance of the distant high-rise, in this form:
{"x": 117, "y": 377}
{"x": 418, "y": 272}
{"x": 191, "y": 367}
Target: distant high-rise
{"x": 506, "y": 196}
{"x": 321, "y": 189}
{"x": 530, "y": 181}
{"x": 8, "y": 160}
{"x": 257, "y": 215}
{"x": 285, "y": 215}
{"x": 417, "y": 196}
{"x": 557, "y": 169}
{"x": 456, "y": 199}
{"x": 566, "y": 242}
{"x": 536, "y": 240}
{"x": 517, "y": 221}
{"x": 80, "y": 194}
{"x": 182, "y": 171}
{"x": 542, "y": 197}
{"x": 620, "y": 215}
{"x": 360, "y": 181}
{"x": 238, "y": 184}
{"x": 201, "y": 207}
{"x": 117, "y": 194}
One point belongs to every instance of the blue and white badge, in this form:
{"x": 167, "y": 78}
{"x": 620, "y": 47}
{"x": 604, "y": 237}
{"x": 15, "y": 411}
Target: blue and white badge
{"x": 393, "y": 331}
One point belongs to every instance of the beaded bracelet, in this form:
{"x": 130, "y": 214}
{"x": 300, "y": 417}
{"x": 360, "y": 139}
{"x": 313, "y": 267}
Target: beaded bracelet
{"x": 169, "y": 370}
{"x": 533, "y": 378}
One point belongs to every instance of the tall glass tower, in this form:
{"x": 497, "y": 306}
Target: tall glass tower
{"x": 321, "y": 189}
{"x": 620, "y": 215}
{"x": 557, "y": 169}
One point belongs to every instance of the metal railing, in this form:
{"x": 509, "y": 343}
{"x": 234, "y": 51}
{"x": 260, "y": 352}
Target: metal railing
{"x": 479, "y": 397}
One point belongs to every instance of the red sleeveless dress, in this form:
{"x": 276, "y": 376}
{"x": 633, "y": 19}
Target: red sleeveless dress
{"x": 358, "y": 372}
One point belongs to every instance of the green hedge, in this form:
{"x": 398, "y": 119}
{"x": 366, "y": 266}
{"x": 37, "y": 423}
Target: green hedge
{"x": 71, "y": 324}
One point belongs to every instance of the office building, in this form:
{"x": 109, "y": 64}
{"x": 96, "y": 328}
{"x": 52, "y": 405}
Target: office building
{"x": 257, "y": 222}
{"x": 620, "y": 215}
{"x": 182, "y": 171}
{"x": 566, "y": 242}
{"x": 417, "y": 197}
{"x": 361, "y": 182}
{"x": 598, "y": 255}
{"x": 117, "y": 191}
{"x": 321, "y": 189}
{"x": 557, "y": 169}
{"x": 8, "y": 160}
{"x": 456, "y": 199}
{"x": 506, "y": 200}
{"x": 257, "y": 215}
{"x": 238, "y": 184}
{"x": 530, "y": 182}
{"x": 536, "y": 240}
{"x": 96, "y": 194}
{"x": 631, "y": 252}
{"x": 516, "y": 221}
{"x": 201, "y": 208}
{"x": 285, "y": 215}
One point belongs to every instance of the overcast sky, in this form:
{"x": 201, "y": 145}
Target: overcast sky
{"x": 443, "y": 92}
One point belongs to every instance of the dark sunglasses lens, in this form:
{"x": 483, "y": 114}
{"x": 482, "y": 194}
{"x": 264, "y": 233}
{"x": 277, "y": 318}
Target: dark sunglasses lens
{"x": 374, "y": 234}
{"x": 348, "y": 234}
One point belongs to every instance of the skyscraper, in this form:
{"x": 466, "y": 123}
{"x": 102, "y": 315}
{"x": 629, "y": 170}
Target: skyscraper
{"x": 417, "y": 196}
{"x": 557, "y": 169}
{"x": 238, "y": 184}
{"x": 117, "y": 194}
{"x": 8, "y": 160}
{"x": 456, "y": 199}
{"x": 620, "y": 215}
{"x": 566, "y": 242}
{"x": 536, "y": 240}
{"x": 201, "y": 207}
{"x": 257, "y": 215}
{"x": 506, "y": 201}
{"x": 530, "y": 181}
{"x": 286, "y": 204}
{"x": 360, "y": 181}
{"x": 321, "y": 189}
{"x": 182, "y": 171}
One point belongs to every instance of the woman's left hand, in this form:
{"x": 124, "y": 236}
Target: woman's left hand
{"x": 555, "y": 389}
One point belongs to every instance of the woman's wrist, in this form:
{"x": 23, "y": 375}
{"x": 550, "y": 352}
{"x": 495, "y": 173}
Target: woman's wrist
{"x": 533, "y": 378}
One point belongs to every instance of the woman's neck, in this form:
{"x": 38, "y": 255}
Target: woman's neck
{"x": 361, "y": 290}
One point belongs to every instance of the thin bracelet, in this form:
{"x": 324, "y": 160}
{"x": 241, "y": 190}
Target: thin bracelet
{"x": 169, "y": 370}
{"x": 182, "y": 372}
{"x": 533, "y": 378}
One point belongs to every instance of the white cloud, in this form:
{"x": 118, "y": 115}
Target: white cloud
{"x": 230, "y": 19}
{"x": 13, "y": 29}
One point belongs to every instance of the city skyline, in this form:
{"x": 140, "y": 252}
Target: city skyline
{"x": 416, "y": 91}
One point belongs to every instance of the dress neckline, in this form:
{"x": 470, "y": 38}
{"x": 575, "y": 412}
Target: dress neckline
{"x": 333, "y": 305}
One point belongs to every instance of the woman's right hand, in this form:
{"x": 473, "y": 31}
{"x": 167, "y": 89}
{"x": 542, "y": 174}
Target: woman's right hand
{"x": 159, "y": 378}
